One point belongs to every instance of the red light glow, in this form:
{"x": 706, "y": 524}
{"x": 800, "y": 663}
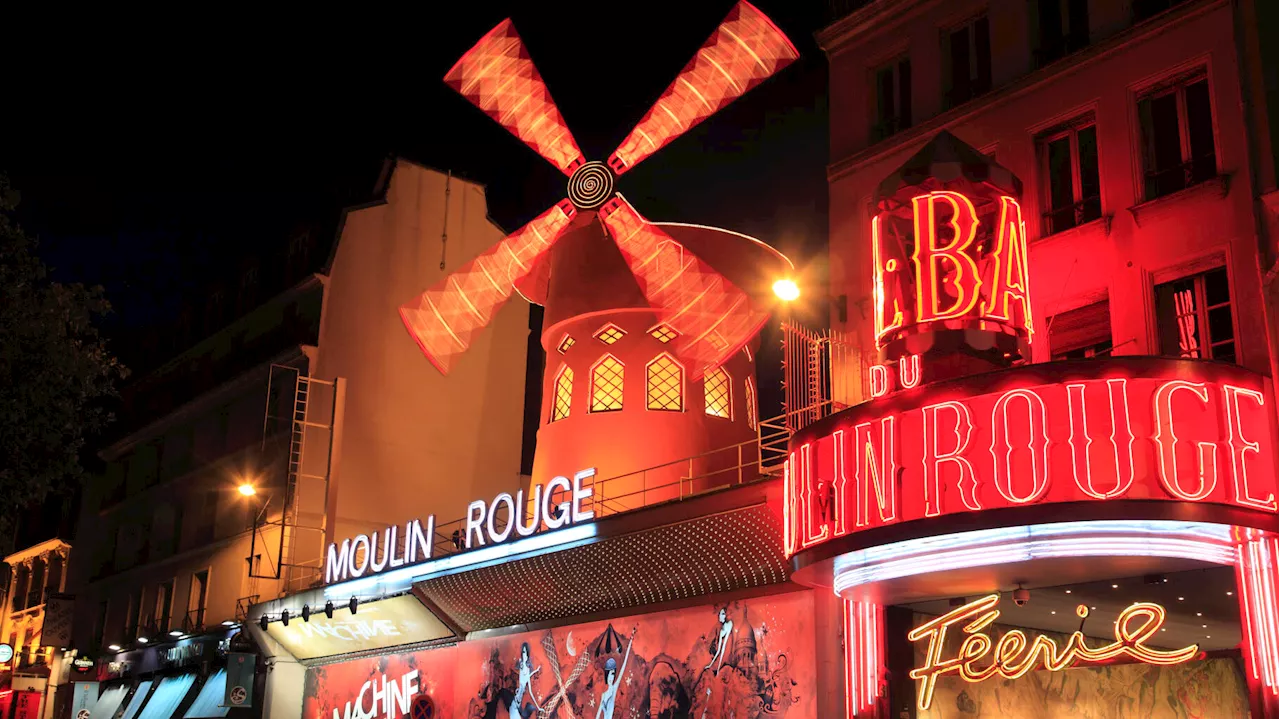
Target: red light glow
{"x": 743, "y": 52}
{"x": 443, "y": 319}
{"x": 1024, "y": 436}
{"x": 864, "y": 657}
{"x": 950, "y": 276}
{"x": 1257, "y": 575}
{"x": 713, "y": 317}
{"x": 497, "y": 76}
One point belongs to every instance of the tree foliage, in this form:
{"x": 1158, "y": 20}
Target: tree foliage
{"x": 55, "y": 372}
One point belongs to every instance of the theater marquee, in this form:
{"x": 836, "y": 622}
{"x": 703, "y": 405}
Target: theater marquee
{"x": 1102, "y": 430}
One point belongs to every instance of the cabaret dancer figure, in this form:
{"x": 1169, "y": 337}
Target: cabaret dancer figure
{"x": 525, "y": 667}
{"x": 612, "y": 678}
{"x": 726, "y": 629}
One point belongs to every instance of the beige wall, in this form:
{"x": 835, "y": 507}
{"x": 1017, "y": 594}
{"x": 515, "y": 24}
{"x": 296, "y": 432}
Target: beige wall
{"x": 412, "y": 442}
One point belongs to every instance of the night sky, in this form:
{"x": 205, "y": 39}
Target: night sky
{"x": 152, "y": 158}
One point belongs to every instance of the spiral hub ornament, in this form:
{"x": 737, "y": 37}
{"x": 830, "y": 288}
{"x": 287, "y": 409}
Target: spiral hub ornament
{"x": 590, "y": 185}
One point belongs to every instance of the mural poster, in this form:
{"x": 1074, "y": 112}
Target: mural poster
{"x": 749, "y": 659}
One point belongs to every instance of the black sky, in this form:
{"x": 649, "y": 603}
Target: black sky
{"x": 153, "y": 155}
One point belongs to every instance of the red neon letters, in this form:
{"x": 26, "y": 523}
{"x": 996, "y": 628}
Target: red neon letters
{"x": 962, "y": 267}
{"x": 1020, "y": 438}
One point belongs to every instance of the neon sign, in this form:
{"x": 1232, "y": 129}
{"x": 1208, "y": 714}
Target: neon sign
{"x": 1123, "y": 428}
{"x": 1013, "y": 656}
{"x": 559, "y": 504}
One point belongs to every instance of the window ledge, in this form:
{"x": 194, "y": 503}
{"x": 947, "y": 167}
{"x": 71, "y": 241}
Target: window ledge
{"x": 1083, "y": 229}
{"x": 1219, "y": 185}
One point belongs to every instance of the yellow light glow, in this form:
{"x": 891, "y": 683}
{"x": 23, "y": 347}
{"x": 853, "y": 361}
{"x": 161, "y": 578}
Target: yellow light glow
{"x": 786, "y": 290}
{"x": 247, "y": 489}
{"x": 1008, "y": 658}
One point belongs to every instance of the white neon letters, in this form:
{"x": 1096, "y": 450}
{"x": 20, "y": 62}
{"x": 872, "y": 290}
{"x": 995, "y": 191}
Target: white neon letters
{"x": 486, "y": 523}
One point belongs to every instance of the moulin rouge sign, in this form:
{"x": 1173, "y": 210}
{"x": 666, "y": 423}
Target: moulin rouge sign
{"x": 1099, "y": 430}
{"x": 560, "y": 503}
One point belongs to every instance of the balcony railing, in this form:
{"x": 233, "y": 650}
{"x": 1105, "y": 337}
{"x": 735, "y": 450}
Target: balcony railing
{"x": 675, "y": 481}
{"x": 1064, "y": 218}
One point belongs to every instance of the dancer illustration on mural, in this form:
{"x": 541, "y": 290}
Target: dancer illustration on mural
{"x": 612, "y": 678}
{"x": 726, "y": 629}
{"x": 526, "y": 674}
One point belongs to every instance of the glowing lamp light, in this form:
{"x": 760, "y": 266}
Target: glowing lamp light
{"x": 113, "y": 647}
{"x": 143, "y": 640}
{"x": 247, "y": 489}
{"x": 786, "y": 290}
{"x": 175, "y": 633}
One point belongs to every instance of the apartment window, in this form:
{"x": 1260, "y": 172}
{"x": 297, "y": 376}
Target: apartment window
{"x": 967, "y": 52}
{"x": 664, "y": 384}
{"x": 1069, "y": 166}
{"x": 1063, "y": 28}
{"x": 606, "y": 384}
{"x": 1194, "y": 317}
{"x": 563, "y": 395}
{"x": 716, "y": 385}
{"x": 1081, "y": 333}
{"x": 1177, "y": 136}
{"x": 197, "y": 600}
{"x": 164, "y": 606}
{"x": 892, "y": 99}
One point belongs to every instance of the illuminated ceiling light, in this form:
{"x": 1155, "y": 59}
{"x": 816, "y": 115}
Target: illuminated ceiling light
{"x": 1182, "y": 599}
{"x": 1068, "y": 591}
{"x": 228, "y": 622}
{"x": 1230, "y": 593}
{"x": 175, "y": 633}
{"x": 143, "y": 640}
{"x": 1208, "y": 543}
{"x": 1115, "y": 586}
{"x": 1199, "y": 614}
{"x": 1204, "y": 626}
{"x": 113, "y": 647}
{"x": 1052, "y": 611}
{"x": 247, "y": 489}
{"x": 786, "y": 290}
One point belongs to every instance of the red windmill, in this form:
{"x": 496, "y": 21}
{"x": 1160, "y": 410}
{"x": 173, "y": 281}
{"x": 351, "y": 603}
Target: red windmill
{"x": 687, "y": 278}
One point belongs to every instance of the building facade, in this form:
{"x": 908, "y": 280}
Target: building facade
{"x": 38, "y": 668}
{"x": 1043, "y": 213}
{"x": 221, "y": 494}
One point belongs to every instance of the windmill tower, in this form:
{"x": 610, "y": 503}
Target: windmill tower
{"x": 650, "y": 328}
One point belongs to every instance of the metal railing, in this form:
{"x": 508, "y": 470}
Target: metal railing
{"x": 674, "y": 481}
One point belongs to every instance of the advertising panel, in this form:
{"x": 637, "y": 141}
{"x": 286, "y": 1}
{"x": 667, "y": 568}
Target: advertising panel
{"x": 749, "y": 658}
{"x": 376, "y": 625}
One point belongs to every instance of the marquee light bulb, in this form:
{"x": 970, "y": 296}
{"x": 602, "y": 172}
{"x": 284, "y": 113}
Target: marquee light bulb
{"x": 786, "y": 290}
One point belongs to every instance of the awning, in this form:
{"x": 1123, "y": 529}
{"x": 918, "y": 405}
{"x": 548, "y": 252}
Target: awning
{"x": 139, "y": 698}
{"x": 168, "y": 697}
{"x": 208, "y": 704}
{"x": 109, "y": 702}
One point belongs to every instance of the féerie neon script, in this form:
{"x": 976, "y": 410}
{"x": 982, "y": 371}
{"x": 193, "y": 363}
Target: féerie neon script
{"x": 1014, "y": 656}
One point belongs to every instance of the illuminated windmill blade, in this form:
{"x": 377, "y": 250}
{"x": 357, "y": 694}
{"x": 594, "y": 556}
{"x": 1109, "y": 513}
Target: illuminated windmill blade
{"x": 444, "y": 318}
{"x": 714, "y": 317}
{"x": 498, "y": 77}
{"x": 743, "y": 52}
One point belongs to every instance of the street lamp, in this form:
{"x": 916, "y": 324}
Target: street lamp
{"x": 247, "y": 489}
{"x": 786, "y": 290}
